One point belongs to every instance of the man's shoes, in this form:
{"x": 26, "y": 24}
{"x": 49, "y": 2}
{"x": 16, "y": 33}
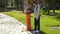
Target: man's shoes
{"x": 34, "y": 32}
{"x": 38, "y": 31}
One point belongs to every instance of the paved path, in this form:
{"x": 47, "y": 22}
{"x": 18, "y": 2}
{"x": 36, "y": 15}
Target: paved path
{"x": 9, "y": 25}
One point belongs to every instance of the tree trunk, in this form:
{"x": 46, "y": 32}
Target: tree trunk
{"x": 48, "y": 11}
{"x": 54, "y": 10}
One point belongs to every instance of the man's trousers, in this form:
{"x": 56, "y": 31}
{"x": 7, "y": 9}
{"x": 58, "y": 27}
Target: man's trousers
{"x": 37, "y": 24}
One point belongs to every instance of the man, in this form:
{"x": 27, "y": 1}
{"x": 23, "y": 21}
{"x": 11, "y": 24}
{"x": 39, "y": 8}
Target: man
{"x": 36, "y": 16}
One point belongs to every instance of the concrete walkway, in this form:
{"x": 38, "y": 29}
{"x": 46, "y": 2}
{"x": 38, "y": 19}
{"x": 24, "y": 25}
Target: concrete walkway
{"x": 9, "y": 25}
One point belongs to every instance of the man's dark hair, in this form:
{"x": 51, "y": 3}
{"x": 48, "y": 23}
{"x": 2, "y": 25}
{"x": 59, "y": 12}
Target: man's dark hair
{"x": 36, "y": 1}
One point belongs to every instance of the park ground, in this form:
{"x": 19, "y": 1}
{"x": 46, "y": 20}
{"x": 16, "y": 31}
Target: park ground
{"x": 48, "y": 24}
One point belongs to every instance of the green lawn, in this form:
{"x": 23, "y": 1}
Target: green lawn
{"x": 45, "y": 24}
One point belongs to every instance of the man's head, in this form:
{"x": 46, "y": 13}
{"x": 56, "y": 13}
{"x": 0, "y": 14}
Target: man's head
{"x": 37, "y": 1}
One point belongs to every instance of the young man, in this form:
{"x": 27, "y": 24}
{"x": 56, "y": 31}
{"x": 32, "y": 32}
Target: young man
{"x": 36, "y": 17}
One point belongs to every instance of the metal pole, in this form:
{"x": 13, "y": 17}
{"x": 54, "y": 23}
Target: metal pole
{"x": 28, "y": 18}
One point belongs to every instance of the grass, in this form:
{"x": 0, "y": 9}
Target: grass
{"x": 46, "y": 21}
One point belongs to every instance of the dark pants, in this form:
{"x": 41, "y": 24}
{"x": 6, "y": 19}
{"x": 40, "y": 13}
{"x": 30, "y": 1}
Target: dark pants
{"x": 37, "y": 24}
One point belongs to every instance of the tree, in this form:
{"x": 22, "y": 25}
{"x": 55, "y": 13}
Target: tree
{"x": 3, "y": 4}
{"x": 49, "y": 4}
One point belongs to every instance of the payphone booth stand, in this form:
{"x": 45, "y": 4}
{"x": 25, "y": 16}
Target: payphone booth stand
{"x": 28, "y": 17}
